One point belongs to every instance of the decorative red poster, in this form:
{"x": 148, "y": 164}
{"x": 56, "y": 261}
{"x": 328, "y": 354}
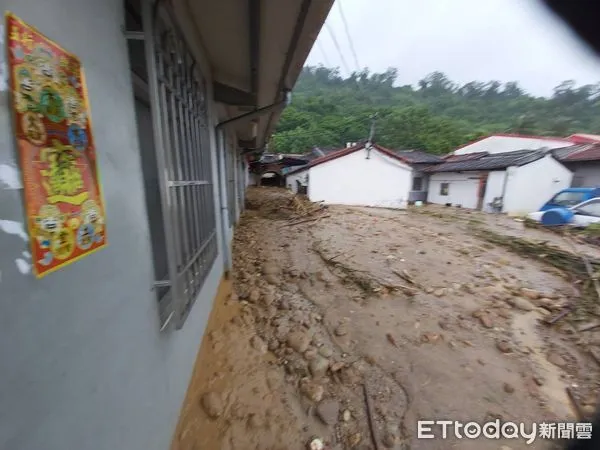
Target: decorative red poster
{"x": 63, "y": 200}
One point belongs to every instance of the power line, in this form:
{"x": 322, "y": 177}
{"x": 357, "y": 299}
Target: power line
{"x": 352, "y": 49}
{"x": 337, "y": 46}
{"x": 323, "y": 52}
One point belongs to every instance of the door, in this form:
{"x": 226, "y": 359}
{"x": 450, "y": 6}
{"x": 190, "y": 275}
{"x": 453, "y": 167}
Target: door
{"x": 481, "y": 191}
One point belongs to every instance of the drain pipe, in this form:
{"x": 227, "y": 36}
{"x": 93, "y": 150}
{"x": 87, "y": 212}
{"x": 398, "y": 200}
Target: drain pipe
{"x": 287, "y": 99}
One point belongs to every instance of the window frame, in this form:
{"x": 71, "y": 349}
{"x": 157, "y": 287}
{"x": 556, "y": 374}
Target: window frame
{"x": 181, "y": 122}
{"x": 420, "y": 178}
{"x": 444, "y": 189}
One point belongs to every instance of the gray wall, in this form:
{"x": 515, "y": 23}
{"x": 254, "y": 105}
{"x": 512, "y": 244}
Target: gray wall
{"x": 585, "y": 174}
{"x": 83, "y": 365}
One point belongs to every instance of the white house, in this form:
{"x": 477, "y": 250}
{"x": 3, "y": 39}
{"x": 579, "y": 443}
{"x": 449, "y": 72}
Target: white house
{"x": 502, "y": 143}
{"x": 356, "y": 176}
{"x": 521, "y": 181}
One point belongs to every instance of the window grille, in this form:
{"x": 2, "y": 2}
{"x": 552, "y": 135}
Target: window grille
{"x": 182, "y": 132}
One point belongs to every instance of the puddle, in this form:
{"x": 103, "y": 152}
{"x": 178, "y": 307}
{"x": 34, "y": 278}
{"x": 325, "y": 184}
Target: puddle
{"x": 554, "y": 388}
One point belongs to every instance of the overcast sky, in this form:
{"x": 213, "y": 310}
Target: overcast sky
{"x": 469, "y": 40}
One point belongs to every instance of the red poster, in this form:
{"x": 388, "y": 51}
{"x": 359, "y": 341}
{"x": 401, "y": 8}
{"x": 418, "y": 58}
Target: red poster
{"x": 56, "y": 149}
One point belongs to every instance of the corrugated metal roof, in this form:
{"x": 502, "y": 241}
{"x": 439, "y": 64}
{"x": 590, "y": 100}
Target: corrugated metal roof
{"x": 488, "y": 162}
{"x": 418, "y": 156}
{"x": 584, "y": 152}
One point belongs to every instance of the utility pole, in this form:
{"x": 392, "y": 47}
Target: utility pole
{"x": 371, "y": 135}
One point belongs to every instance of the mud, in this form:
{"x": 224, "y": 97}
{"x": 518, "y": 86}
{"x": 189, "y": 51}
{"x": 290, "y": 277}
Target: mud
{"x": 407, "y": 305}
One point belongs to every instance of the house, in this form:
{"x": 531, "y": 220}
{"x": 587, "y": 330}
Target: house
{"x": 99, "y": 353}
{"x": 502, "y": 143}
{"x": 418, "y": 161}
{"x": 522, "y": 180}
{"x": 584, "y": 161}
{"x": 357, "y": 175}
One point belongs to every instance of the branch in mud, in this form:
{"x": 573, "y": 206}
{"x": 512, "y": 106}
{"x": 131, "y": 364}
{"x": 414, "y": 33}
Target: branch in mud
{"x": 363, "y": 279}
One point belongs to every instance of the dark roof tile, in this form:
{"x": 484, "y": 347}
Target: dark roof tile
{"x": 486, "y": 161}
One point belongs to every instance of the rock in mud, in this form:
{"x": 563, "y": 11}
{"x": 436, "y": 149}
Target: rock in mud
{"x": 522, "y": 304}
{"x": 531, "y": 294}
{"x": 312, "y": 391}
{"x": 273, "y": 279}
{"x": 212, "y": 404}
{"x": 258, "y": 344}
{"x": 354, "y": 440}
{"x": 508, "y": 388}
{"x": 342, "y": 329}
{"x": 328, "y": 411}
{"x": 486, "y": 320}
{"x": 326, "y": 351}
{"x": 439, "y": 292}
{"x": 254, "y": 295}
{"x": 268, "y": 299}
{"x": 310, "y": 354}
{"x": 318, "y": 367}
{"x": 504, "y": 346}
{"x": 504, "y": 313}
{"x": 298, "y": 340}
{"x": 346, "y": 415}
{"x": 556, "y": 359}
{"x": 270, "y": 269}
{"x": 337, "y": 366}
{"x": 273, "y": 344}
{"x": 389, "y": 440}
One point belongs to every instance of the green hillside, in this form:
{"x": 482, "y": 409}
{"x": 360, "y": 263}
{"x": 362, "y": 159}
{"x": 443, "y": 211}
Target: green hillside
{"x": 437, "y": 115}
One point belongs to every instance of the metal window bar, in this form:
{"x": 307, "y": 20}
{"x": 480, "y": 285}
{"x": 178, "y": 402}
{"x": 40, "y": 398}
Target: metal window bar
{"x": 230, "y": 174}
{"x": 180, "y": 115}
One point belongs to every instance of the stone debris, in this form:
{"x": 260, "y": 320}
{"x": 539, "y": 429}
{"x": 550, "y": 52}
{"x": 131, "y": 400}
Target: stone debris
{"x": 328, "y": 411}
{"x": 212, "y": 404}
{"x": 299, "y": 341}
{"x": 258, "y": 344}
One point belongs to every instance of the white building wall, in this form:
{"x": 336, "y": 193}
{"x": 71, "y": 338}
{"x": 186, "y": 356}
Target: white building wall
{"x": 494, "y": 187}
{"x": 291, "y": 180}
{"x": 462, "y": 189}
{"x": 355, "y": 180}
{"x": 530, "y": 186}
{"x": 501, "y": 144}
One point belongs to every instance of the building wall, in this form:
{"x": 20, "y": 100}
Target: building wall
{"x": 501, "y": 144}
{"x": 494, "y": 188}
{"x": 585, "y": 174}
{"x": 531, "y": 185}
{"x": 355, "y": 180}
{"x": 420, "y": 195}
{"x": 462, "y": 188}
{"x": 84, "y": 365}
{"x": 292, "y": 179}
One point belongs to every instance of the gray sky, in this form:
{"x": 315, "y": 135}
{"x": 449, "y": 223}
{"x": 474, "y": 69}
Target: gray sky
{"x": 469, "y": 40}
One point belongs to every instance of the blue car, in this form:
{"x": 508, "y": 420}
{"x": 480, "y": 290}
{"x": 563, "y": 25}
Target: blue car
{"x": 570, "y": 197}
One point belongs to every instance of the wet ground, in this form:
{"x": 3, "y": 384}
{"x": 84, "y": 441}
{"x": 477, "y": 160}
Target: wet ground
{"x": 353, "y": 327}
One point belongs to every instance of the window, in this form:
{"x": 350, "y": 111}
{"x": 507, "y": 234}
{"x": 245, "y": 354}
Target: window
{"x": 444, "y": 188}
{"x": 417, "y": 184}
{"x": 589, "y": 209}
{"x": 567, "y": 199}
{"x": 175, "y": 143}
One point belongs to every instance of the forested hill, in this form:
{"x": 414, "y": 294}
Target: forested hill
{"x": 437, "y": 115}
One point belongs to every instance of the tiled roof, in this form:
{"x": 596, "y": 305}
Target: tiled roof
{"x": 483, "y": 161}
{"x": 585, "y": 152}
{"x": 465, "y": 157}
{"x": 583, "y": 138}
{"x": 418, "y": 157}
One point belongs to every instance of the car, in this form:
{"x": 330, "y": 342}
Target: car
{"x": 570, "y": 197}
{"x": 579, "y": 216}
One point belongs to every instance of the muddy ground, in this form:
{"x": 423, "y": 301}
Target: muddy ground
{"x": 409, "y": 307}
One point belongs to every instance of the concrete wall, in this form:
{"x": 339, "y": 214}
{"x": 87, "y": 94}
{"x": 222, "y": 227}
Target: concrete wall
{"x": 531, "y": 185}
{"x": 463, "y": 188}
{"x": 494, "y": 188}
{"x": 501, "y": 144}
{"x": 84, "y": 365}
{"x": 355, "y": 180}
{"x": 292, "y": 179}
{"x": 585, "y": 174}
